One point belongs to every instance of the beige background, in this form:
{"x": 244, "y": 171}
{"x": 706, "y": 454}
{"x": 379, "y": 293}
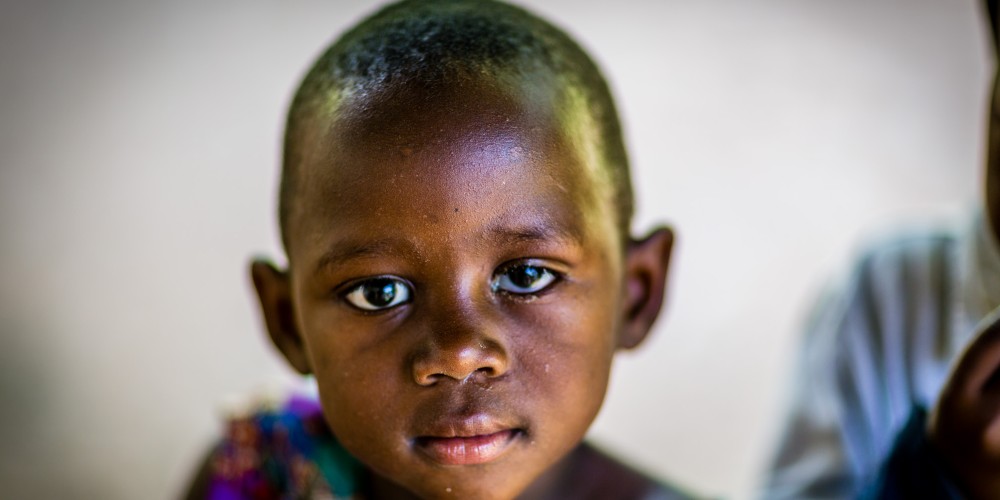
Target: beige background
{"x": 138, "y": 153}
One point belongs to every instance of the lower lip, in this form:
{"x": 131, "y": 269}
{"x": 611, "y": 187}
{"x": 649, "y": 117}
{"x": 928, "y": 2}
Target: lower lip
{"x": 467, "y": 450}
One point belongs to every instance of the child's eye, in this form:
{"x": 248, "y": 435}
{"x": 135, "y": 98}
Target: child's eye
{"x": 523, "y": 279}
{"x": 379, "y": 293}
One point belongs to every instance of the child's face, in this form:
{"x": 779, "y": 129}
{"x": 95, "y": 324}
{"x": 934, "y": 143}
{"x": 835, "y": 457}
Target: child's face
{"x": 458, "y": 287}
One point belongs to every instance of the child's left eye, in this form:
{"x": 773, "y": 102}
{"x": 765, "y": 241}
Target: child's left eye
{"x": 523, "y": 279}
{"x": 378, "y": 294}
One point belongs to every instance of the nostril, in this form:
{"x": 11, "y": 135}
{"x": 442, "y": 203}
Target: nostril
{"x": 482, "y": 375}
{"x": 461, "y": 362}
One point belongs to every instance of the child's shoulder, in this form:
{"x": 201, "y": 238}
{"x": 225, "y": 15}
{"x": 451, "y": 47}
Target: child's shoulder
{"x": 277, "y": 451}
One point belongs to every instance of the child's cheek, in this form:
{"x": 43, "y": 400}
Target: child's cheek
{"x": 568, "y": 340}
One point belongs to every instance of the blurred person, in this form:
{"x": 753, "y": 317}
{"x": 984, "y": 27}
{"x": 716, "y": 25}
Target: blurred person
{"x": 896, "y": 392}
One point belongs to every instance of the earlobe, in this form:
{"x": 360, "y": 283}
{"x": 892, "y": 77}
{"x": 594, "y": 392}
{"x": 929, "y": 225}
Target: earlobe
{"x": 646, "y": 264}
{"x": 274, "y": 291}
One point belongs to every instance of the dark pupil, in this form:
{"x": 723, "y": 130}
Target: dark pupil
{"x": 525, "y": 276}
{"x": 380, "y": 292}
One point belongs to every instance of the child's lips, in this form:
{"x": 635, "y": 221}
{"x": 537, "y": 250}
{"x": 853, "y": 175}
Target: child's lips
{"x": 467, "y": 439}
{"x": 467, "y": 450}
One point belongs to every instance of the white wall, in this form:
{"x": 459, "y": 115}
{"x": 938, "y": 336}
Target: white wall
{"x": 138, "y": 154}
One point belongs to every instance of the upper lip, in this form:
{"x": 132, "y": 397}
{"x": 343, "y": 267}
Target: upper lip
{"x": 460, "y": 426}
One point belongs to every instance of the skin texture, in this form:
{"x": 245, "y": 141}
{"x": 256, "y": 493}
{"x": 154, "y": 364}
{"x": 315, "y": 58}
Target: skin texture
{"x": 448, "y": 189}
{"x": 964, "y": 426}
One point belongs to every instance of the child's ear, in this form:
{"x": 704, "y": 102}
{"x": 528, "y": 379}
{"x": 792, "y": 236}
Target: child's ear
{"x": 646, "y": 264}
{"x": 275, "y": 292}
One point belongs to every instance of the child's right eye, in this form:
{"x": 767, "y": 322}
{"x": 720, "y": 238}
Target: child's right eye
{"x": 378, "y": 294}
{"x": 524, "y": 279}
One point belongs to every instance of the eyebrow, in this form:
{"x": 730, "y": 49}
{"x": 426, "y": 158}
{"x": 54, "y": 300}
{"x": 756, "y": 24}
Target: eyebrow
{"x": 346, "y": 251}
{"x": 543, "y": 231}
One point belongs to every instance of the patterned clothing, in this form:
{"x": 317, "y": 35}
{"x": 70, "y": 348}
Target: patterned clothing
{"x": 285, "y": 453}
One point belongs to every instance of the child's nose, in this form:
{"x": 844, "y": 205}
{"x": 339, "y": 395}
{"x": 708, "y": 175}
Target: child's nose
{"x": 461, "y": 347}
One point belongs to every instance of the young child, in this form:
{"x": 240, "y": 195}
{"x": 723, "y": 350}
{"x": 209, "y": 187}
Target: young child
{"x": 455, "y": 207}
{"x": 878, "y": 355}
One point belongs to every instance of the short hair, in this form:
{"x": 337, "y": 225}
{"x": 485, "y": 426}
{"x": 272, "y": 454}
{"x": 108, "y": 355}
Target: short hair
{"x": 431, "y": 40}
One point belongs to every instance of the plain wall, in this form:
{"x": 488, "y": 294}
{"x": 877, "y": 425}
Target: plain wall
{"x": 139, "y": 144}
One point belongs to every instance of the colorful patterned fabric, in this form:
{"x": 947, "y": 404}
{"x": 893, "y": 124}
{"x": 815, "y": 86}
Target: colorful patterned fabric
{"x": 281, "y": 453}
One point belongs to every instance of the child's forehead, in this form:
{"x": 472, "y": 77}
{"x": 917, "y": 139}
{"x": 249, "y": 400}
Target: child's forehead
{"x": 454, "y": 130}
{"x": 434, "y": 112}
{"x": 461, "y": 138}
{"x": 450, "y": 146}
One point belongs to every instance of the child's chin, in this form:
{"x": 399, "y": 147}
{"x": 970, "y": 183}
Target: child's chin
{"x": 477, "y": 485}
{"x": 494, "y": 481}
